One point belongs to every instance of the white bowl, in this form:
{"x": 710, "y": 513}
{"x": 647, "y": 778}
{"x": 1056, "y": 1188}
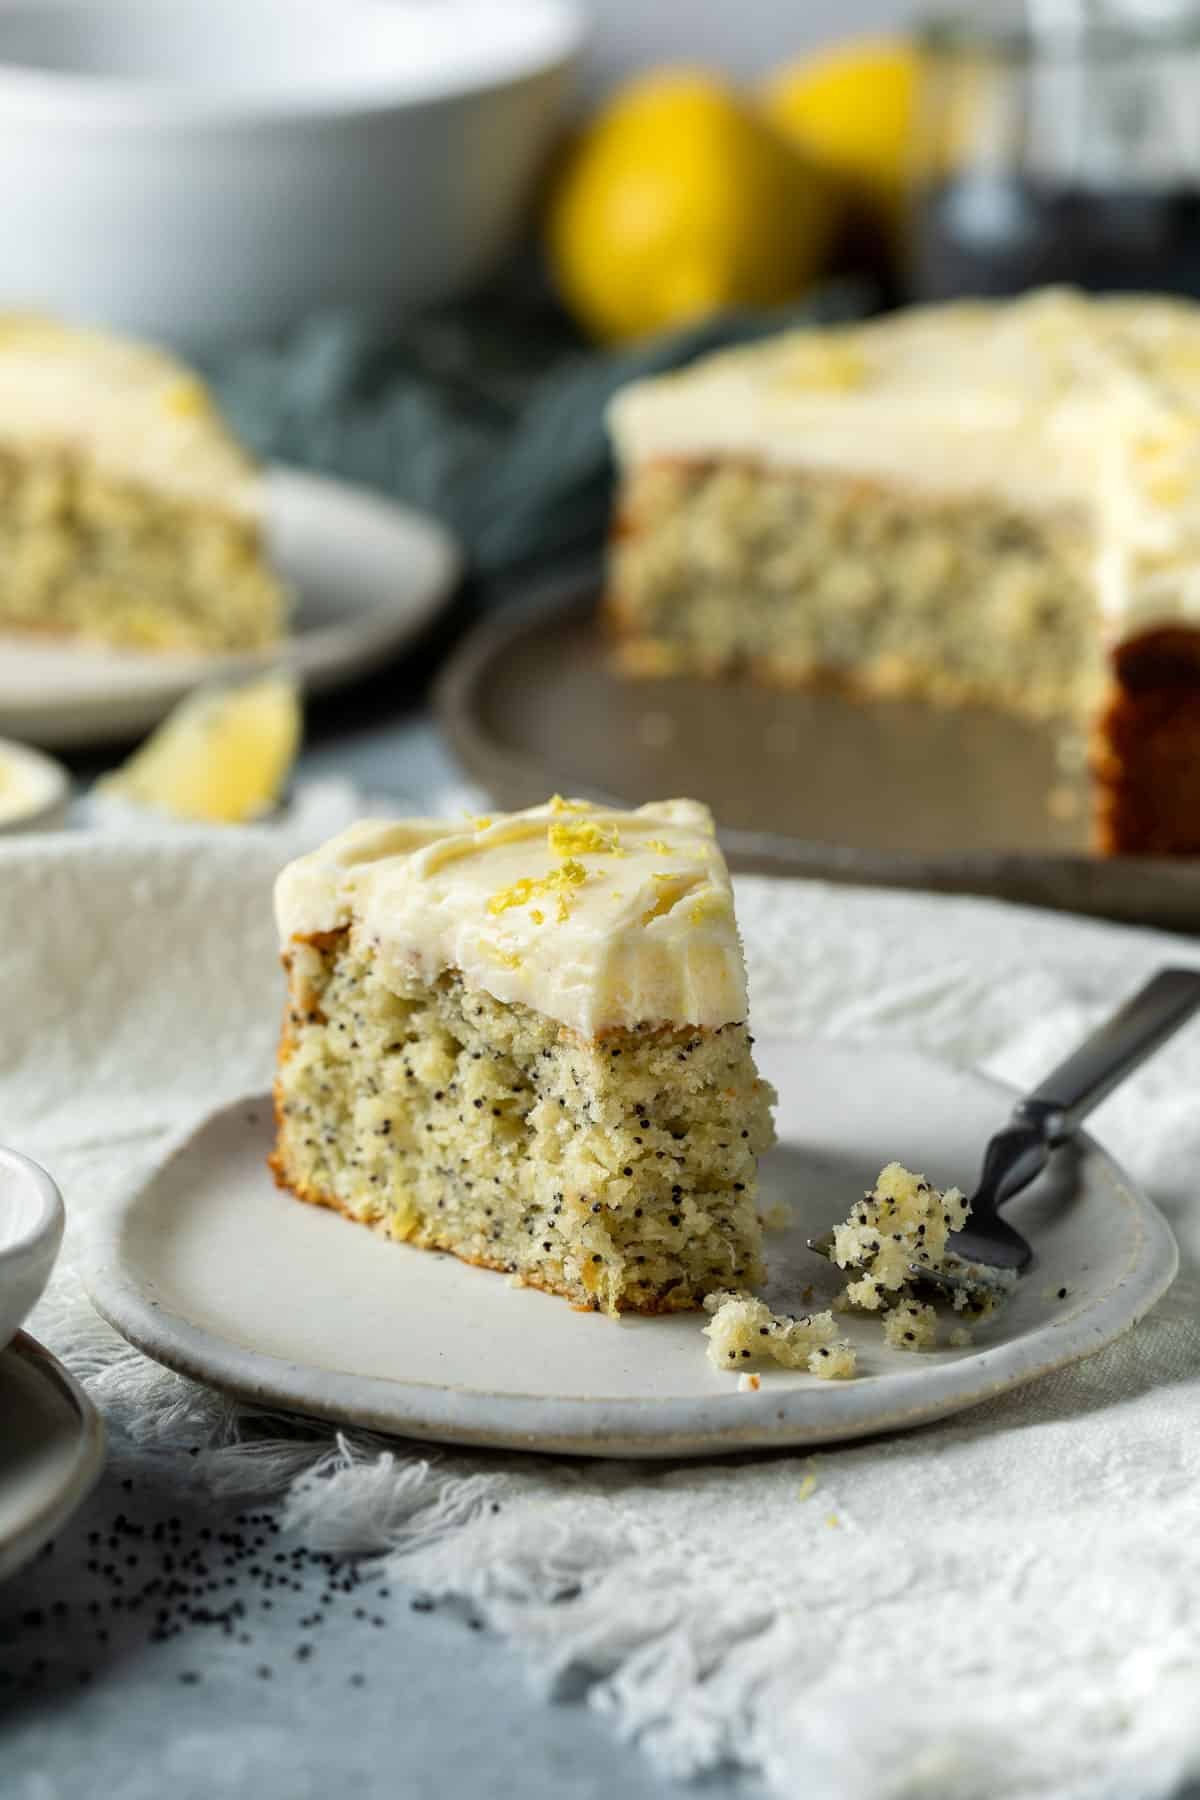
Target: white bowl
{"x": 197, "y": 169}
{"x": 31, "y": 1228}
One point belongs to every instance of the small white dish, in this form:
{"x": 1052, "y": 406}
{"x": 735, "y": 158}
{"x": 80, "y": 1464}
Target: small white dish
{"x": 51, "y": 1450}
{"x": 35, "y": 791}
{"x": 217, "y": 1273}
{"x": 216, "y": 168}
{"x": 31, "y": 1229}
{"x": 369, "y": 575}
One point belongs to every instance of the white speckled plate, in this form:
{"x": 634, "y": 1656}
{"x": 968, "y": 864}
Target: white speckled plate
{"x": 369, "y": 576}
{"x": 51, "y": 1449}
{"x": 215, "y": 1272}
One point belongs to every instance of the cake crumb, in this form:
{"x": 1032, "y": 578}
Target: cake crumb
{"x": 834, "y": 1362}
{"x": 743, "y": 1329}
{"x": 903, "y": 1220}
{"x": 776, "y": 1217}
{"x": 904, "y": 1224}
{"x": 910, "y": 1326}
{"x": 807, "y": 1488}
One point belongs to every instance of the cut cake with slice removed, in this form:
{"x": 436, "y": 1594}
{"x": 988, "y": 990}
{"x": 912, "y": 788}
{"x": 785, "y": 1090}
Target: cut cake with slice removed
{"x": 986, "y": 503}
{"x": 524, "y": 1040}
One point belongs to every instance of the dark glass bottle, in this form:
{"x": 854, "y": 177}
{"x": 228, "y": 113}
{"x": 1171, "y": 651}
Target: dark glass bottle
{"x": 1060, "y": 144}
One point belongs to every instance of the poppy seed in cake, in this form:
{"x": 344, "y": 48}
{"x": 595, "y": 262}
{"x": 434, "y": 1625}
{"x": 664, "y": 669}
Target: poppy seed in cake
{"x": 615, "y": 1110}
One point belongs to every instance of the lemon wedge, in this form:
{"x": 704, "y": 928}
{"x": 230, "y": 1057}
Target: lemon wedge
{"x": 223, "y": 755}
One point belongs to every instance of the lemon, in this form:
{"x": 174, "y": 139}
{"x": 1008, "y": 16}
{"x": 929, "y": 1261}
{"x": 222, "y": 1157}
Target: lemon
{"x": 223, "y": 755}
{"x": 850, "y": 110}
{"x": 677, "y": 200}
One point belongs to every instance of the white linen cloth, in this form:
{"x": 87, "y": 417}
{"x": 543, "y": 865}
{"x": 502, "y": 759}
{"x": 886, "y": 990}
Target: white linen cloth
{"x": 1007, "y": 1604}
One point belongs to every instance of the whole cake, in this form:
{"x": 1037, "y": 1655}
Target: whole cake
{"x": 994, "y": 502}
{"x": 128, "y": 513}
{"x": 523, "y": 1039}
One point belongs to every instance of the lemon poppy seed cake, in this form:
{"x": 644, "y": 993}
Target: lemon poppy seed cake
{"x": 983, "y": 502}
{"x": 128, "y": 513}
{"x": 524, "y": 1040}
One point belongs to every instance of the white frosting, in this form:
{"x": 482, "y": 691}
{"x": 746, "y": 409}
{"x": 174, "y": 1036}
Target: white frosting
{"x": 1052, "y": 400}
{"x": 596, "y": 918}
{"x": 131, "y": 412}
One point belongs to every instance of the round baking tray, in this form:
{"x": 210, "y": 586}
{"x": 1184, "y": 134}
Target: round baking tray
{"x": 891, "y": 793}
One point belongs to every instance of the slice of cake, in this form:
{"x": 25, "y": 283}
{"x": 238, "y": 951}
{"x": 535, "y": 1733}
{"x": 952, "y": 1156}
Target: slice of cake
{"x": 128, "y": 513}
{"x": 985, "y": 502}
{"x": 523, "y": 1040}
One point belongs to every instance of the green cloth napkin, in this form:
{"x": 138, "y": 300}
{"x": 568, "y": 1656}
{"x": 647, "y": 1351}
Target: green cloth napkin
{"x": 489, "y": 413}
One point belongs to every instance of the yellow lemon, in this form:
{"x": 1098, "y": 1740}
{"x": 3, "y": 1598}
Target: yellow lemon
{"x": 677, "y": 200}
{"x": 851, "y": 111}
{"x": 223, "y": 755}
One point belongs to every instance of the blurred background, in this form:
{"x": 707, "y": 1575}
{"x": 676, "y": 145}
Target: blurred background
{"x": 414, "y": 246}
{"x": 744, "y": 40}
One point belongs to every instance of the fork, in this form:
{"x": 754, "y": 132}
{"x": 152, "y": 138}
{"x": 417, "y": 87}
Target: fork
{"x": 1047, "y": 1118}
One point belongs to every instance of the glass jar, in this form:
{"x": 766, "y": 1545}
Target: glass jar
{"x": 1057, "y": 143}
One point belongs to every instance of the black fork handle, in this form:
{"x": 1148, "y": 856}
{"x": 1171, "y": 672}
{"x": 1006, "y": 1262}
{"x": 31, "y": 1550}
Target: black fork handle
{"x": 1135, "y": 1031}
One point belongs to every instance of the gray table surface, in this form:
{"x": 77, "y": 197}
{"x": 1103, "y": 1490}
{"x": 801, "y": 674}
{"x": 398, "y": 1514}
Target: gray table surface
{"x": 365, "y": 1693}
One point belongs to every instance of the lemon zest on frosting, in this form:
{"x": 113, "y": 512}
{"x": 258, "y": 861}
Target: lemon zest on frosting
{"x": 436, "y": 894}
{"x": 816, "y": 363}
{"x": 560, "y": 881}
{"x": 584, "y": 837}
{"x": 517, "y": 895}
{"x": 187, "y": 398}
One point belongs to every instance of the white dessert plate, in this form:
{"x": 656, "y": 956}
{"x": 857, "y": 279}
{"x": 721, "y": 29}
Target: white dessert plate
{"x": 31, "y": 1229}
{"x": 369, "y": 575}
{"x": 51, "y": 1450}
{"x": 215, "y": 1272}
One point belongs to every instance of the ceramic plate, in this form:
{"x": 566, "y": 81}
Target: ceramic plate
{"x": 804, "y": 782}
{"x": 51, "y": 1450}
{"x": 368, "y": 574}
{"x": 215, "y": 1272}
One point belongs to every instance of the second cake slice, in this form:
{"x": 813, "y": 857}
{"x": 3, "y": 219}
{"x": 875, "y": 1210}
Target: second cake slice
{"x": 129, "y": 515}
{"x": 524, "y": 1040}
